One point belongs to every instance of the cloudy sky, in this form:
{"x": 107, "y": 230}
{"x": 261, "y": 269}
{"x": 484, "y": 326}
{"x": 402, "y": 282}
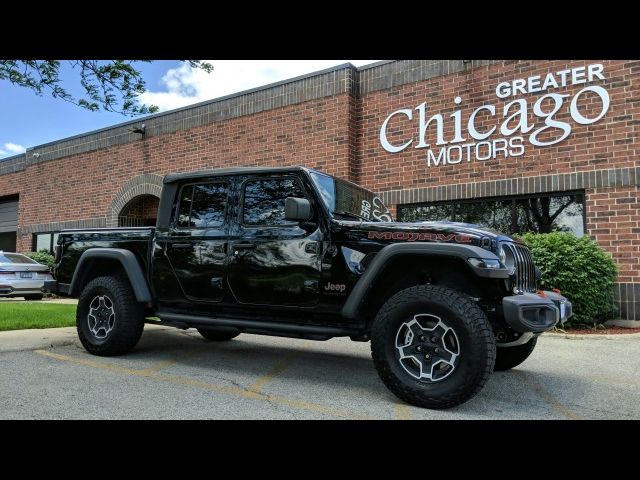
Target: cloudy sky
{"x": 27, "y": 120}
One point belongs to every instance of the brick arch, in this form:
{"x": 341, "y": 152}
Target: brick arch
{"x": 145, "y": 184}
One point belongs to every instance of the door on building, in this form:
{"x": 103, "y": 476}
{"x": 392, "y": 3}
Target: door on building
{"x": 8, "y": 224}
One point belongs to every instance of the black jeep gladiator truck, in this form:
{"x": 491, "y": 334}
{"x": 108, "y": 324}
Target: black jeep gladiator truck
{"x": 297, "y": 253}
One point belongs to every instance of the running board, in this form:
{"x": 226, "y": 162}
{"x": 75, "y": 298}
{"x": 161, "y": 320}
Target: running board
{"x": 251, "y": 326}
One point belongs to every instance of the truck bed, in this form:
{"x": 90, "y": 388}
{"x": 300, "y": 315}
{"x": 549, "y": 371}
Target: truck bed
{"x": 75, "y": 241}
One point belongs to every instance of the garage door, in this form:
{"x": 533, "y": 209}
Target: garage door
{"x": 9, "y": 216}
{"x": 8, "y": 224}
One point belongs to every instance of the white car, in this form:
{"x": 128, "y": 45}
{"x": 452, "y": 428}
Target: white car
{"x": 22, "y": 277}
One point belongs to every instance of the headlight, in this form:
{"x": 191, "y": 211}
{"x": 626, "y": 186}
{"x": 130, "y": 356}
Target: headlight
{"x": 507, "y": 259}
{"x": 484, "y": 262}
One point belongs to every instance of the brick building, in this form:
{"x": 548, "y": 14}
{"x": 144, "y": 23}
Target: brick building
{"x": 517, "y": 145}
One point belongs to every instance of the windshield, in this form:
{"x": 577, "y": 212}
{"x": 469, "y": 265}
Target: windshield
{"x": 348, "y": 200}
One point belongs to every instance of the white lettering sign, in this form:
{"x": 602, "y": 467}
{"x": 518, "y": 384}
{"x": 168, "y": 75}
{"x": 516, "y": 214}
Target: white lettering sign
{"x": 545, "y": 130}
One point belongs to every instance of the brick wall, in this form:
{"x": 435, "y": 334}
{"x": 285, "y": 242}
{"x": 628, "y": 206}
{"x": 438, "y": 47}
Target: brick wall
{"x": 611, "y": 142}
{"x": 82, "y": 186}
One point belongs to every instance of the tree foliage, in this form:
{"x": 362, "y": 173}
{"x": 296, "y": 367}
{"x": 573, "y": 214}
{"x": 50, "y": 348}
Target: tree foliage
{"x": 113, "y": 85}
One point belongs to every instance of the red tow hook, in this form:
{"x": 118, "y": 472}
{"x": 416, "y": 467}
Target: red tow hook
{"x": 556, "y": 290}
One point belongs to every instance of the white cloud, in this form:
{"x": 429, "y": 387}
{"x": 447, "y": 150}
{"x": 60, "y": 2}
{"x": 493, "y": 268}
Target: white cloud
{"x": 14, "y": 147}
{"x": 184, "y": 85}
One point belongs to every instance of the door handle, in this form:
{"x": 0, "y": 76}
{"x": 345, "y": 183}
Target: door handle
{"x": 245, "y": 246}
{"x": 180, "y": 245}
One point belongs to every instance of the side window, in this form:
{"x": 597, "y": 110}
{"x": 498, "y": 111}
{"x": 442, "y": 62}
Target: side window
{"x": 202, "y": 206}
{"x": 264, "y": 201}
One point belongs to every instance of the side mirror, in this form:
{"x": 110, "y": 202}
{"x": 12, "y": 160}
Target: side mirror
{"x": 297, "y": 209}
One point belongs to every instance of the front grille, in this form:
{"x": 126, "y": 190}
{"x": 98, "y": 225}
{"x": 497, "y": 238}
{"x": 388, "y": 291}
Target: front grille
{"x": 525, "y": 268}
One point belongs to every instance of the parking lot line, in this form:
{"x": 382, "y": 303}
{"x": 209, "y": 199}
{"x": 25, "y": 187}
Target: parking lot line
{"x": 179, "y": 380}
{"x": 403, "y": 412}
{"x": 548, "y": 397}
{"x": 157, "y": 366}
{"x": 267, "y": 378}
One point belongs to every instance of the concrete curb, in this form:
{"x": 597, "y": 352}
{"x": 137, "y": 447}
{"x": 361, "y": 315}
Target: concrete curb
{"x": 32, "y": 339}
{"x": 36, "y": 338}
{"x": 584, "y": 336}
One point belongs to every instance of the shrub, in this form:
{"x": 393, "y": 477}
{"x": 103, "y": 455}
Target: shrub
{"x": 580, "y": 269}
{"x": 43, "y": 257}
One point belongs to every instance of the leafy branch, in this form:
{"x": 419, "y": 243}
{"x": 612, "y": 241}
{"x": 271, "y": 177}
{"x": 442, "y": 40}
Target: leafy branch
{"x": 113, "y": 85}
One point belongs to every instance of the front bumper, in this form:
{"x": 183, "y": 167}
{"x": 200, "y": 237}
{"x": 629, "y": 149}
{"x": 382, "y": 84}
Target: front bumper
{"x": 533, "y": 312}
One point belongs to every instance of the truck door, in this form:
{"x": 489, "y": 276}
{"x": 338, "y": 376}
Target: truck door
{"x": 273, "y": 261}
{"x": 196, "y": 245}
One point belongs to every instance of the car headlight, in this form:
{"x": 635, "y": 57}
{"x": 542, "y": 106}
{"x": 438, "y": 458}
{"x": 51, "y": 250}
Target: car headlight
{"x": 484, "y": 262}
{"x": 507, "y": 259}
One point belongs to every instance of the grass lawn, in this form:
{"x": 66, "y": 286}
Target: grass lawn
{"x": 21, "y": 315}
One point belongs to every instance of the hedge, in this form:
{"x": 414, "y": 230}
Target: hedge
{"x": 43, "y": 256}
{"x": 580, "y": 269}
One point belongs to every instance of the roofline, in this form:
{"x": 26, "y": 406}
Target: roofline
{"x": 219, "y": 172}
{"x": 13, "y": 157}
{"x": 138, "y": 120}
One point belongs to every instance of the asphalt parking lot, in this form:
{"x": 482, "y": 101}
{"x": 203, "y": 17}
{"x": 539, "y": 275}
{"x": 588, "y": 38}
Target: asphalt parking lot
{"x": 175, "y": 374}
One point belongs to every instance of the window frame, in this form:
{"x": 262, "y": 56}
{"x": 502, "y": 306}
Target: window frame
{"x": 512, "y": 198}
{"x": 52, "y": 245}
{"x": 243, "y": 189}
{"x": 176, "y": 214}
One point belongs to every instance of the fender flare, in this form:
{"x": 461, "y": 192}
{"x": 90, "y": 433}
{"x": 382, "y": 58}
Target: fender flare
{"x": 129, "y": 263}
{"x": 390, "y": 252}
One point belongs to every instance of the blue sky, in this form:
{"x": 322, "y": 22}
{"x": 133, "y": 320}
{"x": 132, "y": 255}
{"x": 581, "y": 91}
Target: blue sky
{"x": 27, "y": 120}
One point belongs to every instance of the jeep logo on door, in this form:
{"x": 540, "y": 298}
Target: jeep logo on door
{"x": 335, "y": 287}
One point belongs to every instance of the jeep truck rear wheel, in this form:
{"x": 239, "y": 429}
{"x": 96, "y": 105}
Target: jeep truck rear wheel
{"x": 218, "y": 334}
{"x": 432, "y": 346}
{"x": 108, "y": 318}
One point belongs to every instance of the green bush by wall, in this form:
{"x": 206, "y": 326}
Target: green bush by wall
{"x": 580, "y": 269}
{"x": 43, "y": 257}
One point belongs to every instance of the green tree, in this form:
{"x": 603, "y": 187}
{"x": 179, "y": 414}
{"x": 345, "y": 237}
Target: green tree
{"x": 114, "y": 85}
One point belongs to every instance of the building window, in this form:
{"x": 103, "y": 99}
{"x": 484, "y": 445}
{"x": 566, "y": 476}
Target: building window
{"x": 540, "y": 213}
{"x": 45, "y": 241}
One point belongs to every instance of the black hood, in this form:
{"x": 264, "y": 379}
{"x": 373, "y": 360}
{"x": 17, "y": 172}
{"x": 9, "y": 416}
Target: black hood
{"x": 451, "y": 232}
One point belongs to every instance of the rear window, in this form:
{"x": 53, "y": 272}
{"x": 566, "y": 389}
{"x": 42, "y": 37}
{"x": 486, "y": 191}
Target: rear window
{"x": 14, "y": 258}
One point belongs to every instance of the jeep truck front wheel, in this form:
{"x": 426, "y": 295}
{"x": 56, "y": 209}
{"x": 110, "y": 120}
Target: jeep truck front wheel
{"x": 432, "y": 346}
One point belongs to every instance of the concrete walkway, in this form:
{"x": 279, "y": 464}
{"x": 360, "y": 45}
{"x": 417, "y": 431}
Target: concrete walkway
{"x": 18, "y": 340}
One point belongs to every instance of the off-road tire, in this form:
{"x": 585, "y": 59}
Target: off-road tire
{"x": 477, "y": 349}
{"x": 129, "y": 316}
{"x": 31, "y": 298}
{"x": 509, "y": 357}
{"x": 218, "y": 335}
